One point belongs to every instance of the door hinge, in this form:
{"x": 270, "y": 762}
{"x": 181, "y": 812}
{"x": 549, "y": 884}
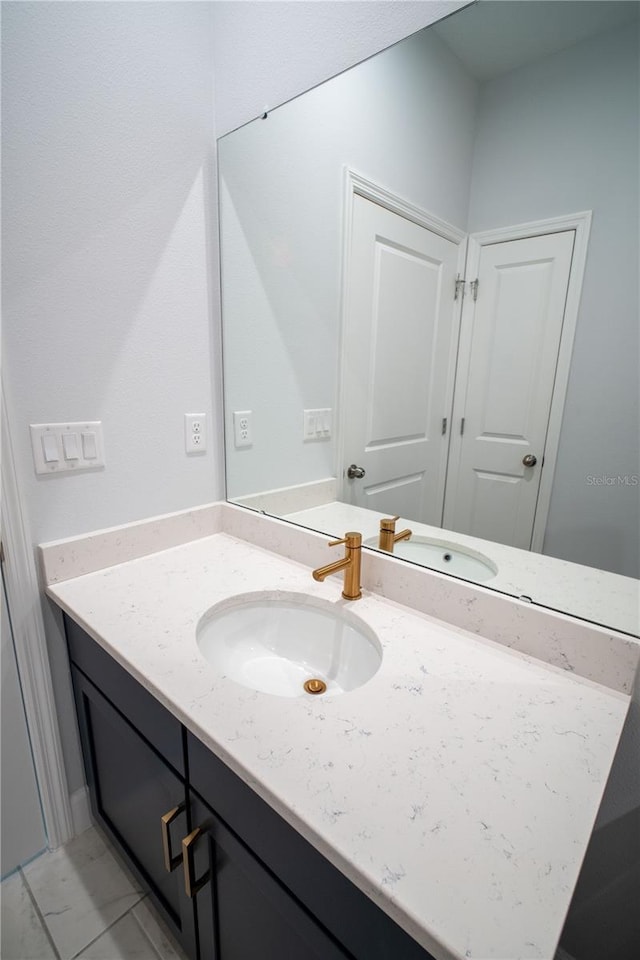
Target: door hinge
{"x": 474, "y": 288}
{"x": 444, "y": 426}
{"x": 461, "y": 426}
{"x": 459, "y": 287}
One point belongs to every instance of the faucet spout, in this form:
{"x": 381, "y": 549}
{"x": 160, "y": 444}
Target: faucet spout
{"x": 322, "y": 572}
{"x": 350, "y": 563}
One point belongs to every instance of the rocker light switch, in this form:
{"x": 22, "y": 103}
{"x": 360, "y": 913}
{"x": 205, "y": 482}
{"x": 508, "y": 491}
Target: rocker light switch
{"x": 67, "y": 447}
{"x": 70, "y": 446}
{"x": 89, "y": 448}
{"x": 50, "y": 448}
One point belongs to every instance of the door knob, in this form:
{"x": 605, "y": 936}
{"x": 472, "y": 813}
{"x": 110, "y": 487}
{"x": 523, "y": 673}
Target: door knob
{"x": 529, "y": 460}
{"x": 355, "y": 473}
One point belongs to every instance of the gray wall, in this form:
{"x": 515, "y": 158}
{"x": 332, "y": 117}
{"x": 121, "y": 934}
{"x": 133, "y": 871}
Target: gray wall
{"x": 555, "y": 138}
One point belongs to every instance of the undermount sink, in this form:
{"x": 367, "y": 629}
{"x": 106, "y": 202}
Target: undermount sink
{"x": 276, "y": 642}
{"x": 443, "y": 555}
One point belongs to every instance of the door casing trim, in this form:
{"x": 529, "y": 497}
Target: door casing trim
{"x": 31, "y": 652}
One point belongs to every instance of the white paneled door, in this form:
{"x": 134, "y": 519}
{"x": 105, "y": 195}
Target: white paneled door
{"x": 399, "y": 353}
{"x": 509, "y": 343}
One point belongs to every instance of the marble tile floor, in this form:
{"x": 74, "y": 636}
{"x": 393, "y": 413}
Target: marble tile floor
{"x": 80, "y": 903}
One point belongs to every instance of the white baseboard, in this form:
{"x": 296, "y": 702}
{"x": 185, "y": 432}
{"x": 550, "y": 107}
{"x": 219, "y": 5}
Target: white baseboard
{"x": 80, "y": 810}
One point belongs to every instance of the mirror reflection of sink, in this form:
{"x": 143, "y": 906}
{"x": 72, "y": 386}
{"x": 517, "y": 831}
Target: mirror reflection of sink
{"x": 275, "y": 642}
{"x": 443, "y": 555}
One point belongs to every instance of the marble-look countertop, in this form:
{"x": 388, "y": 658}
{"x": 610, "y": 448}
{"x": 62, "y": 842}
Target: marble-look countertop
{"x": 458, "y": 788}
{"x": 595, "y": 595}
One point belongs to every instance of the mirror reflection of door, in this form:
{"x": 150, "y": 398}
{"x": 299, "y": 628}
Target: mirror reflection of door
{"x": 399, "y": 349}
{"x": 509, "y": 347}
{"x": 477, "y": 471}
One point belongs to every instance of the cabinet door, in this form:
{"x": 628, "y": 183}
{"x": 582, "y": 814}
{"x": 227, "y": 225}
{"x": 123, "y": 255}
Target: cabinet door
{"x": 243, "y": 912}
{"x": 132, "y": 788}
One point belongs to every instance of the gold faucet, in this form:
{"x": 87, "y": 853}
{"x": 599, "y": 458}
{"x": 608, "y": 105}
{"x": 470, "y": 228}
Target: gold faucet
{"x": 388, "y": 535}
{"x": 350, "y": 563}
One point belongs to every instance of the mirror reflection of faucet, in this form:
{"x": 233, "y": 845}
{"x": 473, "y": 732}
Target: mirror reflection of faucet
{"x": 388, "y": 535}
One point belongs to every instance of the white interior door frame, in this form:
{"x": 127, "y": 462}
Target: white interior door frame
{"x": 31, "y": 652}
{"x": 581, "y": 224}
{"x": 355, "y": 184}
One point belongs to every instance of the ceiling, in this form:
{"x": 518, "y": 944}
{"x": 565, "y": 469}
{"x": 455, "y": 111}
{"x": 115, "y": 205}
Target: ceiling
{"x": 495, "y": 36}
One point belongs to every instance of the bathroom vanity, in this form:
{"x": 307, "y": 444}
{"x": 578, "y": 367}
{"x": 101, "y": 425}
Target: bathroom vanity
{"x": 442, "y": 809}
{"x": 252, "y": 887}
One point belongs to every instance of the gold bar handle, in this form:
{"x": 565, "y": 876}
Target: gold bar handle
{"x": 191, "y": 886}
{"x": 170, "y": 862}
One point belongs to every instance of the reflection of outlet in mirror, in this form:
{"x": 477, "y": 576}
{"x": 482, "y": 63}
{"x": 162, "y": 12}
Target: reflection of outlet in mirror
{"x": 242, "y": 433}
{"x": 195, "y": 432}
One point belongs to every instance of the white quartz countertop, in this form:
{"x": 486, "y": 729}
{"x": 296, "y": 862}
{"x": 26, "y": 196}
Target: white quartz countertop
{"x": 458, "y": 788}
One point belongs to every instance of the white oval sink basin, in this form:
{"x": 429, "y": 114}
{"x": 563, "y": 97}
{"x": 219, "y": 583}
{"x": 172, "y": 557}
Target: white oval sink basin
{"x": 275, "y": 642}
{"x": 443, "y": 555}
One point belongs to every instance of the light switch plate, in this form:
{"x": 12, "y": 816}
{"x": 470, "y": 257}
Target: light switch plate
{"x": 317, "y": 424}
{"x": 82, "y": 439}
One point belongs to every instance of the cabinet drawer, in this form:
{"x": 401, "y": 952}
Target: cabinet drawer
{"x": 141, "y": 709}
{"x": 354, "y": 920}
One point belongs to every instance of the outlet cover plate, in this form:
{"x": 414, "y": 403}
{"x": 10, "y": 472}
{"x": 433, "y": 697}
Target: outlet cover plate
{"x": 242, "y": 428}
{"x": 195, "y": 432}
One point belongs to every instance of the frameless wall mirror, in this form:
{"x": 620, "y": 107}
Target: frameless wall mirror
{"x": 430, "y": 304}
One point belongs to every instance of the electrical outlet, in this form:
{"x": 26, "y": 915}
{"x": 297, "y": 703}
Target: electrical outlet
{"x": 195, "y": 432}
{"x": 242, "y": 432}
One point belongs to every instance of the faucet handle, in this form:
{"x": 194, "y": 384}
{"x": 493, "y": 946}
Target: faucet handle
{"x": 389, "y": 523}
{"x": 351, "y": 538}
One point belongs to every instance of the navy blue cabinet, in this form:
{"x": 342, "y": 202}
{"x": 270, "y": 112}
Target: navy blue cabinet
{"x": 233, "y": 880}
{"x": 244, "y": 912}
{"x": 132, "y": 788}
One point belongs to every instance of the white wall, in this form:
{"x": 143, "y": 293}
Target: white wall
{"x": 110, "y": 246}
{"x": 107, "y": 148}
{"x": 553, "y": 138}
{"x": 107, "y": 312}
{"x": 282, "y": 199}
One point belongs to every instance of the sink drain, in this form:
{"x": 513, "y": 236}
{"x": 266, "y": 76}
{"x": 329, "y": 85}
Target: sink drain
{"x": 315, "y": 686}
